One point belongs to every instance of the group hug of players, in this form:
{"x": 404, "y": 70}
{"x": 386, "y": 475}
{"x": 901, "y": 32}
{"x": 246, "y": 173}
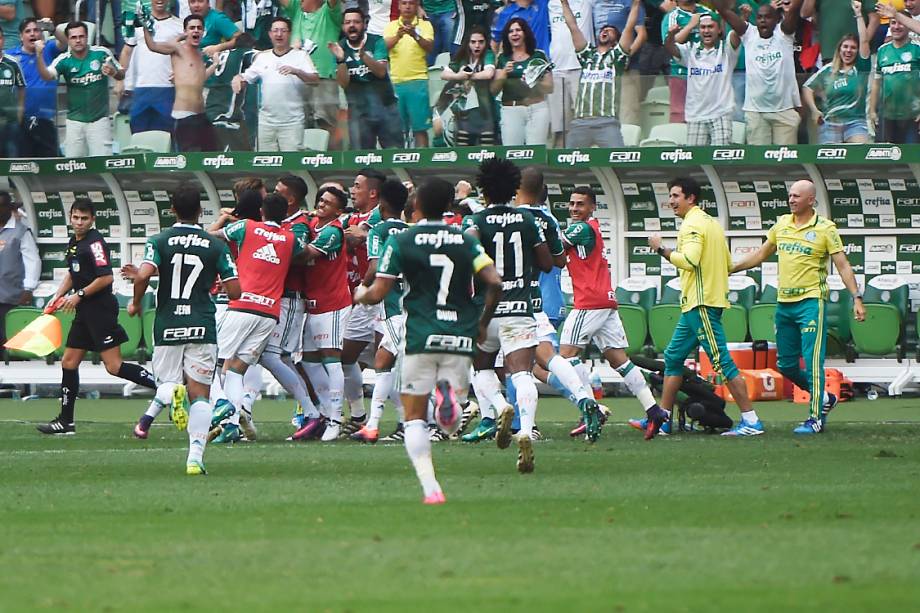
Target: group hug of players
{"x": 453, "y": 298}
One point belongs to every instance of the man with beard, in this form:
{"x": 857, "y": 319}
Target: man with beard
{"x": 361, "y": 70}
{"x": 193, "y": 131}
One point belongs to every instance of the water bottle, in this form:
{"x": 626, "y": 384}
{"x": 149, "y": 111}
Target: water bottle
{"x": 597, "y": 387}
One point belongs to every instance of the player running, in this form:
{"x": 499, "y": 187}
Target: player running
{"x": 514, "y": 241}
{"x": 595, "y": 317}
{"x": 328, "y": 306}
{"x": 393, "y": 196}
{"x": 703, "y": 260}
{"x": 95, "y": 326}
{"x": 266, "y": 251}
{"x": 187, "y": 260}
{"x": 438, "y": 263}
{"x": 805, "y": 241}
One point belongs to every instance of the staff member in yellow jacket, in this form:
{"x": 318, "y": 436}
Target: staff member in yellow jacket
{"x": 805, "y": 242}
{"x": 703, "y": 260}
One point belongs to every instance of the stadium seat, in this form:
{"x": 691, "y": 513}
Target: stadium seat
{"x": 121, "y": 131}
{"x": 315, "y": 139}
{"x": 636, "y": 326}
{"x": 66, "y": 320}
{"x": 761, "y": 315}
{"x": 738, "y": 133}
{"x": 837, "y": 315}
{"x": 661, "y": 93}
{"x": 151, "y": 141}
{"x": 442, "y": 60}
{"x": 886, "y": 302}
{"x": 666, "y": 135}
{"x": 631, "y": 134}
{"x": 662, "y": 317}
{"x": 17, "y": 319}
{"x": 636, "y": 296}
{"x": 742, "y": 292}
{"x": 435, "y": 82}
{"x": 654, "y": 114}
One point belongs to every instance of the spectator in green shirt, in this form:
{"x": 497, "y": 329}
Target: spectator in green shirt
{"x": 317, "y": 24}
{"x": 842, "y": 85}
{"x": 470, "y": 72}
{"x": 220, "y": 33}
{"x": 896, "y": 84}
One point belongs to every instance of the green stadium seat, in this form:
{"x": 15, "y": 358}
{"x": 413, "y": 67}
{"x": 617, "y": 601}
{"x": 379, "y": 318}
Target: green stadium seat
{"x": 150, "y": 141}
{"x": 635, "y": 323}
{"x": 886, "y": 302}
{"x": 653, "y": 114}
{"x": 663, "y": 317}
{"x": 631, "y": 134}
{"x": 121, "y": 131}
{"x": 837, "y": 314}
{"x": 17, "y": 319}
{"x": 661, "y": 93}
{"x": 315, "y": 139}
{"x": 666, "y": 135}
{"x": 134, "y": 328}
{"x": 638, "y": 291}
{"x": 66, "y": 320}
{"x": 742, "y": 292}
{"x": 761, "y": 316}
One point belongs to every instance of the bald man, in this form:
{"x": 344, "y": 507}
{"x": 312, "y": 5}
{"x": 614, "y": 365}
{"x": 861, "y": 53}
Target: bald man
{"x": 805, "y": 242}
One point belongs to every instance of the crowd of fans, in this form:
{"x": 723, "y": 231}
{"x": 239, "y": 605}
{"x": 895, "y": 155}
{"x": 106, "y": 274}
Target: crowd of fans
{"x": 567, "y": 73}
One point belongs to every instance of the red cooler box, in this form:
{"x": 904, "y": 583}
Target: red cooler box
{"x": 747, "y": 356}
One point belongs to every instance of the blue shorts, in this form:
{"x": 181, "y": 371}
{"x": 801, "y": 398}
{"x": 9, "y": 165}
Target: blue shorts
{"x": 842, "y": 132}
{"x": 414, "y": 107}
{"x": 699, "y": 327}
{"x": 151, "y": 109}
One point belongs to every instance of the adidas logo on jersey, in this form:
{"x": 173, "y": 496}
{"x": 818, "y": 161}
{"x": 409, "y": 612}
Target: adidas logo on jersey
{"x": 267, "y": 254}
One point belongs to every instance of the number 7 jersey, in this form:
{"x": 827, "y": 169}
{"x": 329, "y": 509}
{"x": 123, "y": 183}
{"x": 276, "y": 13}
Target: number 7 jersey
{"x": 188, "y": 260}
{"x": 437, "y": 262}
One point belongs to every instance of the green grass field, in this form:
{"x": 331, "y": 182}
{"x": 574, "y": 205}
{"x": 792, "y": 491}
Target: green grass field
{"x": 103, "y": 522}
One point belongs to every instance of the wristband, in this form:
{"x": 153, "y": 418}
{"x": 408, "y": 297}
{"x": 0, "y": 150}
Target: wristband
{"x": 660, "y": 251}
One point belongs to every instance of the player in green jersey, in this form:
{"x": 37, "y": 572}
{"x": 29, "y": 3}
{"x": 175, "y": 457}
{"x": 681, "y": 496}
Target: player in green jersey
{"x": 226, "y": 110}
{"x": 516, "y": 243}
{"x": 438, "y": 263}
{"x": 187, "y": 260}
{"x": 393, "y": 196}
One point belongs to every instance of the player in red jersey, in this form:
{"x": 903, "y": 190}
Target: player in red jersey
{"x": 361, "y": 332}
{"x": 266, "y": 251}
{"x": 595, "y": 317}
{"x": 285, "y": 338}
{"x": 328, "y": 306}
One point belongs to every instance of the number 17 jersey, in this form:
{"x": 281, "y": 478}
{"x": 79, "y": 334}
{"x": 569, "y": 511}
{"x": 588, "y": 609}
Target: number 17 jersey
{"x": 188, "y": 260}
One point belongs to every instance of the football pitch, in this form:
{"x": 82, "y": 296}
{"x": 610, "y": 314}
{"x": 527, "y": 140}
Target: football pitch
{"x": 103, "y": 522}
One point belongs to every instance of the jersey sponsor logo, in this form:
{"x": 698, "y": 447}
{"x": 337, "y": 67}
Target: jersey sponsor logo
{"x": 187, "y": 333}
{"x": 170, "y": 161}
{"x": 189, "y": 240}
{"x": 449, "y": 343}
{"x": 266, "y": 253}
{"x": 728, "y": 154}
{"x": 519, "y": 154}
{"x": 783, "y": 153}
{"x": 120, "y": 163}
{"x": 446, "y": 315}
{"x": 624, "y": 157}
{"x": 512, "y": 306}
{"x": 480, "y": 156}
{"x": 884, "y": 153}
{"x": 832, "y": 153}
{"x": 268, "y": 161}
{"x": 269, "y": 235}
{"x": 793, "y": 247}
{"x": 512, "y": 284}
{"x": 441, "y": 237}
{"x": 504, "y": 219}
{"x": 70, "y": 166}
{"x": 24, "y": 168}
{"x": 257, "y": 299}
{"x": 406, "y": 158}
{"x": 444, "y": 156}
{"x": 678, "y": 155}
{"x": 98, "y": 251}
{"x": 317, "y": 160}
{"x": 573, "y": 157}
{"x": 368, "y": 159}
{"x": 219, "y": 161}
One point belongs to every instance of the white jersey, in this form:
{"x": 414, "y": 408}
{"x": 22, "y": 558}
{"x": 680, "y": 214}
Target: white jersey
{"x": 149, "y": 69}
{"x": 282, "y": 96}
{"x": 561, "y": 49}
{"x": 709, "y": 79}
{"x": 378, "y": 13}
{"x": 770, "y": 80}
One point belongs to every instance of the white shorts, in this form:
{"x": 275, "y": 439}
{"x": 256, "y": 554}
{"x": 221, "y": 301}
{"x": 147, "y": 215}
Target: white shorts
{"x": 603, "y": 326}
{"x": 545, "y": 330}
{"x": 394, "y": 334}
{"x": 324, "y": 330}
{"x": 285, "y": 338}
{"x": 172, "y": 363}
{"x": 82, "y": 139}
{"x": 420, "y": 372}
{"x": 243, "y": 335}
{"x": 362, "y": 321}
{"x": 510, "y": 334}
